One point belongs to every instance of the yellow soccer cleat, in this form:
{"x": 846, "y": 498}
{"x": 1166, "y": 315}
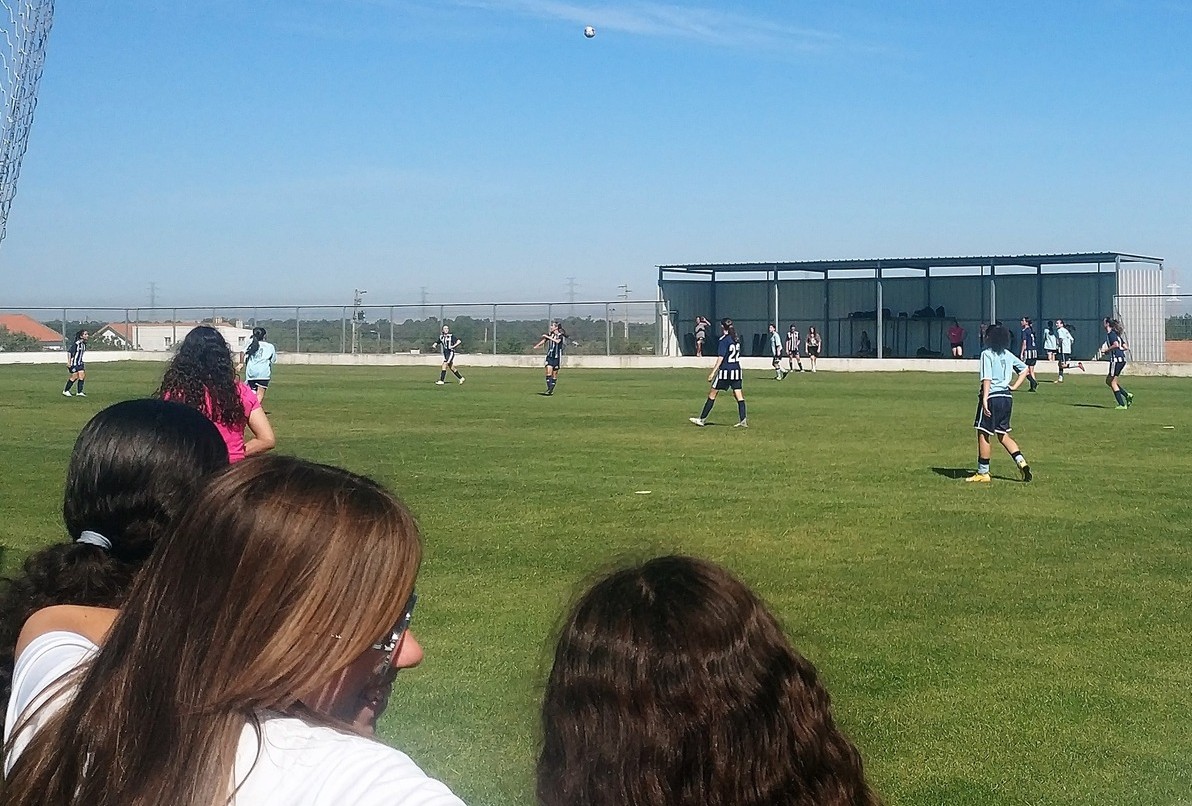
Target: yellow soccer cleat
{"x": 980, "y": 477}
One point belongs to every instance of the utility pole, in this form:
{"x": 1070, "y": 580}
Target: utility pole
{"x": 625, "y": 296}
{"x": 571, "y": 286}
{"x": 357, "y": 317}
{"x": 153, "y": 295}
{"x": 423, "y": 311}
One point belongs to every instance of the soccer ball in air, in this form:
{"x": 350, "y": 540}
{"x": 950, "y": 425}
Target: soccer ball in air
{"x": 589, "y": 32}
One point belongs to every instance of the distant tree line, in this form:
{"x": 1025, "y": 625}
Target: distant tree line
{"x": 586, "y": 336}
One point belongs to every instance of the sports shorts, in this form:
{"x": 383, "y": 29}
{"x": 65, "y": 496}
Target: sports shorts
{"x": 998, "y": 419}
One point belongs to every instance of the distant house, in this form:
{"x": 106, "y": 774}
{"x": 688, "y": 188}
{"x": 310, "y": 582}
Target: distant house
{"x": 164, "y": 336}
{"x": 48, "y": 338}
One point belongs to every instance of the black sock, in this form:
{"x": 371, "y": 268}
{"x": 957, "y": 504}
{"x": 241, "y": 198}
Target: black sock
{"x": 707, "y": 408}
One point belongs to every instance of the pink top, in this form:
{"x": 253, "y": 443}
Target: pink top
{"x": 232, "y": 436}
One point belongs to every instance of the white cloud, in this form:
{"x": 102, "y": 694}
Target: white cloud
{"x": 707, "y": 25}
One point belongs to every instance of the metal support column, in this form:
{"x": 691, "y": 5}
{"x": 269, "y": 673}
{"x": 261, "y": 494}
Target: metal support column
{"x": 297, "y": 330}
{"x": 880, "y": 335}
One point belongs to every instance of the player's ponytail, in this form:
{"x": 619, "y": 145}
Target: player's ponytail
{"x": 258, "y": 333}
{"x": 726, "y": 325}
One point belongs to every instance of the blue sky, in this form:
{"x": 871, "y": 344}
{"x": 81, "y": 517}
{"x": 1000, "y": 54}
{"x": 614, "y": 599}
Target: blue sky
{"x": 257, "y": 152}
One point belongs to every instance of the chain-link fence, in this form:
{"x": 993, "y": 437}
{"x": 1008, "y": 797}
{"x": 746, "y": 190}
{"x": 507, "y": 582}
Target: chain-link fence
{"x": 617, "y": 327}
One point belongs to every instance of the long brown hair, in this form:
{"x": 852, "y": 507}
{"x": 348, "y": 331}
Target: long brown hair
{"x": 279, "y": 575}
{"x": 673, "y": 685}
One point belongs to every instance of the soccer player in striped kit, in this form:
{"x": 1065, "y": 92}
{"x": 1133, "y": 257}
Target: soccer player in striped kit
{"x": 1115, "y": 347}
{"x": 74, "y": 363}
{"x": 555, "y": 338}
{"x": 1029, "y": 352}
{"x": 726, "y": 374}
{"x": 995, "y": 402}
{"x": 447, "y": 343}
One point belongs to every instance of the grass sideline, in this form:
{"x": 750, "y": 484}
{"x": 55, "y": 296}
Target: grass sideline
{"x": 1000, "y": 644}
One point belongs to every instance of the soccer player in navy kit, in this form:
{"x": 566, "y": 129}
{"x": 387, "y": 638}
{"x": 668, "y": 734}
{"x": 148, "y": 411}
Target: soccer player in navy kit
{"x": 555, "y": 338}
{"x": 447, "y": 343}
{"x": 1115, "y": 347}
{"x": 995, "y": 403}
{"x": 792, "y": 349}
{"x": 726, "y": 374}
{"x": 74, "y": 363}
{"x": 1029, "y": 352}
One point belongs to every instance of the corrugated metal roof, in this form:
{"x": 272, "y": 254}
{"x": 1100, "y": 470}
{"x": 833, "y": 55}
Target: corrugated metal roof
{"x": 921, "y": 263}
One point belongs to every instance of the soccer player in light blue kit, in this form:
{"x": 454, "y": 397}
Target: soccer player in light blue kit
{"x": 726, "y": 374}
{"x": 995, "y": 402}
{"x": 776, "y": 352}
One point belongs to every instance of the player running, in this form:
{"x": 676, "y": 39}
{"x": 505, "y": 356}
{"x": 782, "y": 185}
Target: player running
{"x": 74, "y": 363}
{"x": 995, "y": 402}
{"x": 725, "y": 374}
{"x": 776, "y": 352}
{"x": 1029, "y": 352}
{"x": 1115, "y": 347}
{"x": 555, "y": 339}
{"x": 1064, "y": 342}
{"x": 447, "y": 343}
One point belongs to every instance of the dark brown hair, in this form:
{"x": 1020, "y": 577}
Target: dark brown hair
{"x": 203, "y": 376}
{"x": 135, "y": 465}
{"x": 673, "y": 685}
{"x": 279, "y": 575}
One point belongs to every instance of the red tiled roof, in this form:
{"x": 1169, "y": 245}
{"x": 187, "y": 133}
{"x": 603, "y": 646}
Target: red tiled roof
{"x": 27, "y": 325}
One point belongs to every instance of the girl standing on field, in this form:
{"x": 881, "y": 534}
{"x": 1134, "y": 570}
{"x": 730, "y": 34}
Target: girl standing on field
{"x": 725, "y": 374}
{"x": 1115, "y": 347}
{"x": 995, "y": 403}
{"x": 202, "y": 375}
{"x": 814, "y": 344}
{"x": 1050, "y": 345}
{"x": 74, "y": 363}
{"x": 792, "y": 349}
{"x": 554, "y": 338}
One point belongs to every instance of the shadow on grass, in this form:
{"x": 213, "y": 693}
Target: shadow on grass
{"x": 953, "y": 472}
{"x": 1090, "y": 405}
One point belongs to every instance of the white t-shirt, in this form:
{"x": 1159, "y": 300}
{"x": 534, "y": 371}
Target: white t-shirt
{"x": 298, "y": 764}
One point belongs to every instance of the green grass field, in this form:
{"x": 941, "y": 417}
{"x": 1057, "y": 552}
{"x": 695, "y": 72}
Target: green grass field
{"x": 984, "y": 644}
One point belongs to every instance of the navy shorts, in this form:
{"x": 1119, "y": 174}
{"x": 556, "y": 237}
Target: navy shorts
{"x": 1116, "y": 365}
{"x": 553, "y": 363}
{"x": 253, "y": 383}
{"x": 1063, "y": 358}
{"x": 813, "y": 351}
{"x": 724, "y": 383}
{"x": 73, "y": 368}
{"x": 998, "y": 420}
{"x": 449, "y": 358}
{"x": 1030, "y": 357}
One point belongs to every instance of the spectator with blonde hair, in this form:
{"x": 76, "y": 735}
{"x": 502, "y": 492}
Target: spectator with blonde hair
{"x": 247, "y": 665}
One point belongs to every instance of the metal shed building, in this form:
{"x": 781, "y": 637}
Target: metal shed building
{"x": 905, "y": 305}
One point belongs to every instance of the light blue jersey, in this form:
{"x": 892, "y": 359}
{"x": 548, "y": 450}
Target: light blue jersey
{"x": 999, "y": 369}
{"x": 259, "y": 365}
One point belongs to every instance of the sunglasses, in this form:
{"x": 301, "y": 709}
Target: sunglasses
{"x": 391, "y": 642}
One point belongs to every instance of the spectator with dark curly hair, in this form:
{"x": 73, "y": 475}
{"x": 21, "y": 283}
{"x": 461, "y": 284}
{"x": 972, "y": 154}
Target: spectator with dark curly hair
{"x": 202, "y": 375}
{"x": 673, "y": 685}
{"x": 134, "y": 466}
